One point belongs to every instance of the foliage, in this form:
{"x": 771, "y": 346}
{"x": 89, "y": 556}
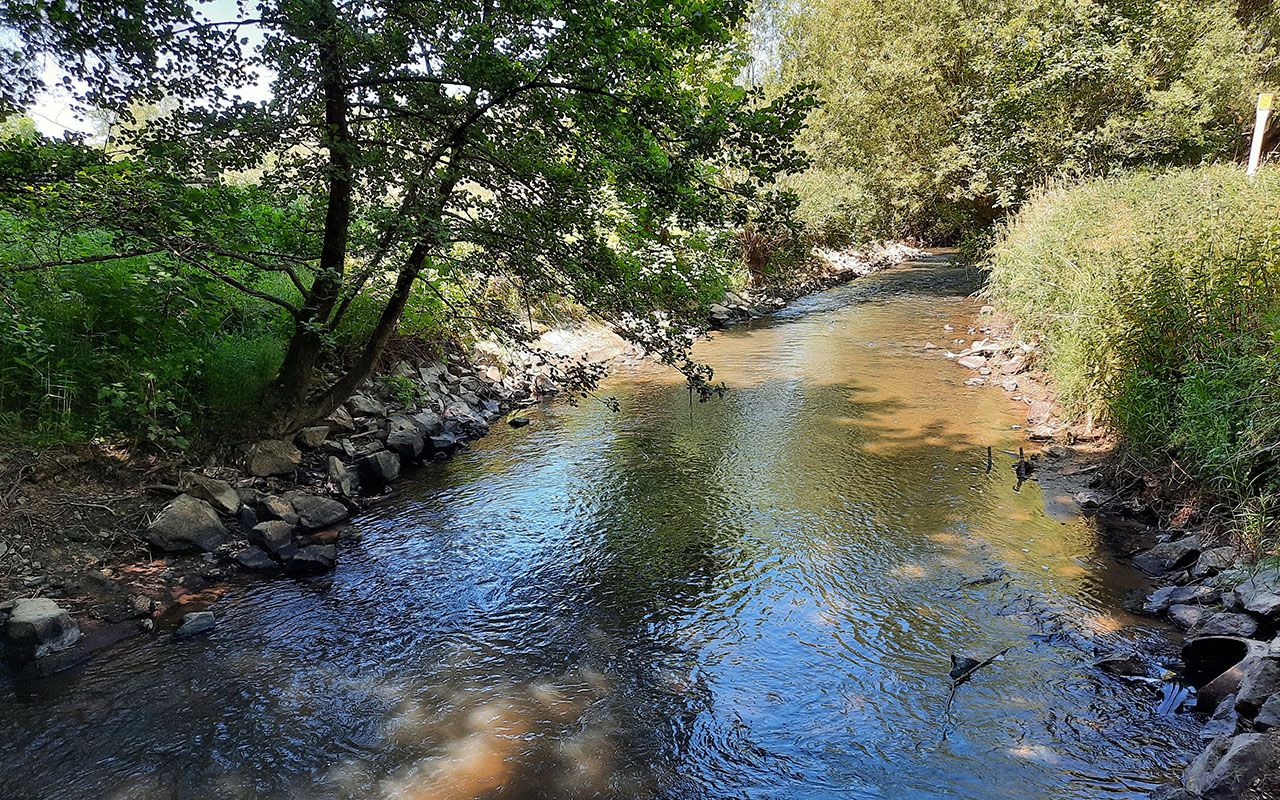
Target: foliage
{"x": 1158, "y": 294}
{"x": 939, "y": 118}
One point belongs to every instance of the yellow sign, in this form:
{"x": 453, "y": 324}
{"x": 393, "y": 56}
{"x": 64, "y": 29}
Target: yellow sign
{"x": 1265, "y": 101}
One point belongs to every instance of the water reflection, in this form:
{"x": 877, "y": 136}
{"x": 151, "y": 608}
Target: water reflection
{"x": 759, "y": 603}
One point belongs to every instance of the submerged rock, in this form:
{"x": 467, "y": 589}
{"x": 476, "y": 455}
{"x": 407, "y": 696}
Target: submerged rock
{"x": 1127, "y": 664}
{"x": 196, "y": 622}
{"x": 37, "y": 627}
{"x": 272, "y": 457}
{"x": 187, "y": 523}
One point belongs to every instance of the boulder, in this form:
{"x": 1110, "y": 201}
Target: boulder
{"x": 364, "y": 406}
{"x": 340, "y": 420}
{"x": 407, "y": 444}
{"x": 1259, "y": 679}
{"x": 1268, "y": 715}
{"x": 1168, "y": 557}
{"x": 312, "y": 437}
{"x": 216, "y": 493}
{"x": 1225, "y": 720}
{"x": 1260, "y": 594}
{"x": 275, "y": 507}
{"x": 1213, "y": 561}
{"x": 276, "y": 537}
{"x": 317, "y": 512}
{"x": 342, "y": 479}
{"x": 1185, "y": 616}
{"x": 255, "y": 558}
{"x": 1227, "y": 623}
{"x": 1243, "y": 767}
{"x": 380, "y": 469}
{"x": 37, "y": 627}
{"x": 187, "y": 523}
{"x": 272, "y": 457}
{"x": 313, "y": 559}
{"x": 428, "y": 422}
{"x": 1161, "y": 599}
{"x": 196, "y": 622}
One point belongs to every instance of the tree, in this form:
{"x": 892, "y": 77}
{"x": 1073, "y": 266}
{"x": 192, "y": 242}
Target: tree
{"x": 552, "y": 142}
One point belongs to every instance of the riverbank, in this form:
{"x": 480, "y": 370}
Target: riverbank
{"x": 112, "y": 545}
{"x": 1202, "y": 581}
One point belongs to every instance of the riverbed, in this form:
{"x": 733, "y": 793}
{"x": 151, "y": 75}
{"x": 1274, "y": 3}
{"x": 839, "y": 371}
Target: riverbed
{"x": 754, "y": 597}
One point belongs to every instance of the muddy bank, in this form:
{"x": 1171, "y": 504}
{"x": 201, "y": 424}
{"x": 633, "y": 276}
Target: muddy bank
{"x": 1201, "y": 579}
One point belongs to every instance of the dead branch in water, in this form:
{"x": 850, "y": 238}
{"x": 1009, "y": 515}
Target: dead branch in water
{"x": 961, "y": 678}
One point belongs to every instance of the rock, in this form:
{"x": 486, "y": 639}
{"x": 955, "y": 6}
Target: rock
{"x": 255, "y": 558}
{"x": 1243, "y": 767}
{"x": 1168, "y": 557}
{"x": 187, "y": 523}
{"x": 196, "y": 622}
{"x": 1225, "y": 720}
{"x": 37, "y": 627}
{"x": 363, "y": 406}
{"x": 1227, "y": 623}
{"x": 1162, "y": 599}
{"x": 340, "y": 420}
{"x": 276, "y": 537}
{"x": 1213, "y": 561}
{"x": 1259, "y": 679}
{"x": 272, "y": 457}
{"x": 216, "y": 493}
{"x": 1016, "y": 365}
{"x": 405, "y": 443}
{"x": 312, "y": 437}
{"x": 975, "y": 381}
{"x": 1260, "y": 594}
{"x": 1088, "y": 500}
{"x": 443, "y": 441}
{"x": 314, "y": 559}
{"x": 1185, "y": 616}
{"x": 1129, "y": 663}
{"x": 380, "y": 469}
{"x": 1159, "y": 601}
{"x": 274, "y": 507}
{"x": 1170, "y": 791}
{"x": 518, "y": 422}
{"x": 343, "y": 479}
{"x": 317, "y": 512}
{"x": 1268, "y": 715}
{"x": 428, "y": 422}
{"x": 972, "y": 362}
{"x": 987, "y": 310}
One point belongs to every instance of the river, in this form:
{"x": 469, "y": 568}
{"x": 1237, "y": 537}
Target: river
{"x": 756, "y": 598}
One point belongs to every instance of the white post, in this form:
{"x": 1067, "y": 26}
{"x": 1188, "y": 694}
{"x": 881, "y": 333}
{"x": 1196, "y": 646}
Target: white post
{"x": 1265, "y": 101}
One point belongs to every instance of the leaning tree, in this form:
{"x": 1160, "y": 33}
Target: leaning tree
{"x": 552, "y": 142}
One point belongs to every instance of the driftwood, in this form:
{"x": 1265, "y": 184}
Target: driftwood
{"x": 962, "y": 669}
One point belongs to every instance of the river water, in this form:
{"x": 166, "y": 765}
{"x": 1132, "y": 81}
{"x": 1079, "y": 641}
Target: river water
{"x": 755, "y": 599}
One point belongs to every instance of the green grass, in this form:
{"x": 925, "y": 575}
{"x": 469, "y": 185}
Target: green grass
{"x": 1158, "y": 297}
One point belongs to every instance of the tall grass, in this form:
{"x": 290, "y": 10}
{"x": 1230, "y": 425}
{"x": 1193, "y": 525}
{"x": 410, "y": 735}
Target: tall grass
{"x": 1158, "y": 296}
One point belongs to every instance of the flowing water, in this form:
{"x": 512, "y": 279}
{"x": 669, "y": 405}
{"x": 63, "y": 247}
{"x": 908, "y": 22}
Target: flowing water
{"x": 755, "y": 599}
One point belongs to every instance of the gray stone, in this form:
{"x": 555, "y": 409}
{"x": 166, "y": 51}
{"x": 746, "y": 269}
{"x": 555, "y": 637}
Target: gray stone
{"x": 272, "y": 457}
{"x": 1225, "y": 720}
{"x": 187, "y": 524}
{"x": 1242, "y": 767}
{"x": 443, "y": 441}
{"x": 37, "y": 627}
{"x": 1161, "y": 599}
{"x": 1269, "y": 714}
{"x": 275, "y": 507}
{"x": 255, "y": 558}
{"x": 1227, "y": 623}
{"x": 1129, "y": 663}
{"x": 340, "y": 420}
{"x": 380, "y": 468}
{"x": 317, "y": 512}
{"x": 972, "y": 362}
{"x": 276, "y": 537}
{"x": 364, "y": 406}
{"x": 1170, "y": 791}
{"x": 407, "y": 444}
{"x": 1213, "y": 561}
{"x": 312, "y": 437}
{"x": 216, "y": 493}
{"x": 1259, "y": 679}
{"x": 1185, "y": 616}
{"x": 342, "y": 479}
{"x": 196, "y": 622}
{"x": 313, "y": 559}
{"x": 428, "y": 422}
{"x": 1168, "y": 556}
{"x": 1261, "y": 593}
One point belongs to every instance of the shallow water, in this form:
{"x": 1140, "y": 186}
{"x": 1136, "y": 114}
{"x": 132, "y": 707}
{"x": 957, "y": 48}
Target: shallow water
{"x": 758, "y": 602}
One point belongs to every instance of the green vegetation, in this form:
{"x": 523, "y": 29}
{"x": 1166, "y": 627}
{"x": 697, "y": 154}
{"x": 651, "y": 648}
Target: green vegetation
{"x": 936, "y": 119}
{"x": 418, "y": 169}
{"x": 1159, "y": 298}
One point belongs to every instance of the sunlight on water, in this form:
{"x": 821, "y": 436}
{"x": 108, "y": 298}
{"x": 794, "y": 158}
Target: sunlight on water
{"x": 758, "y": 603}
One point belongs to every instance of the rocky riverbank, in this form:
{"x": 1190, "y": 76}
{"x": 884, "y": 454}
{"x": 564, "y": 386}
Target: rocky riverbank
{"x": 1203, "y": 582}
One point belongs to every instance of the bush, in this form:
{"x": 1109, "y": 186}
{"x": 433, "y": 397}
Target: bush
{"x": 1158, "y": 295}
